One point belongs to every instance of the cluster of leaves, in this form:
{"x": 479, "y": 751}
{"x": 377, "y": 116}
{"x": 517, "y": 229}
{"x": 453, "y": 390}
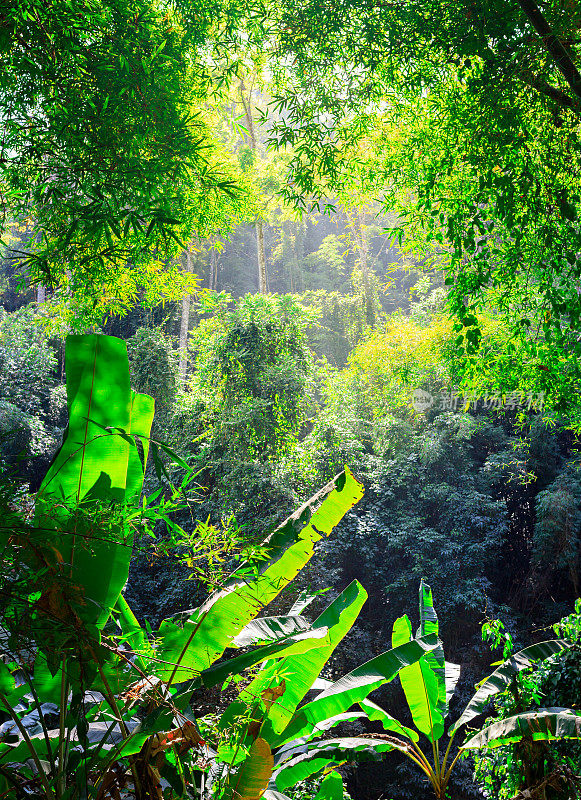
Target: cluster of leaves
{"x": 32, "y": 403}
{"x": 544, "y": 771}
{"x": 465, "y": 120}
{"x": 248, "y": 398}
{"x": 59, "y": 663}
{"x": 105, "y": 147}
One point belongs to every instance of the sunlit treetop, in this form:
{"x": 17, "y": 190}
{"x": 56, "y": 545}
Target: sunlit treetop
{"x": 464, "y": 119}
{"x": 105, "y": 146}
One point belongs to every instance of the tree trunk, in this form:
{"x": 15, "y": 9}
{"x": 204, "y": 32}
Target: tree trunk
{"x": 213, "y": 282}
{"x": 364, "y": 263}
{"x": 185, "y": 325}
{"x": 259, "y": 225}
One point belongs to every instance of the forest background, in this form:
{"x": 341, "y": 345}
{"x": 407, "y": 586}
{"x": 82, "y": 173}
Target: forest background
{"x": 296, "y": 222}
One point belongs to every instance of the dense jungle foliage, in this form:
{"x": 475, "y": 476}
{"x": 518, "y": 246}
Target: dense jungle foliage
{"x": 290, "y": 330}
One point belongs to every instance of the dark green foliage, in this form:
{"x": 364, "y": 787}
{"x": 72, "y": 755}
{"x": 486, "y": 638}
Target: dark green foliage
{"x": 431, "y": 509}
{"x": 260, "y": 368}
{"x": 32, "y": 401}
{"x": 557, "y": 539}
{"x": 153, "y": 368}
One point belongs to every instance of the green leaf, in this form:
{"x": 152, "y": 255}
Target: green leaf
{"x": 141, "y": 420}
{"x": 331, "y": 787}
{"x": 303, "y": 601}
{"x": 130, "y": 627}
{"x": 377, "y": 714}
{"x": 429, "y": 625}
{"x": 329, "y": 753}
{"x": 356, "y": 686}
{"x": 94, "y": 469}
{"x": 294, "y": 644}
{"x": 543, "y": 724}
{"x": 301, "y": 672}
{"x": 420, "y": 686}
{"x": 6, "y": 679}
{"x": 502, "y": 676}
{"x": 98, "y": 395}
{"x": 268, "y": 629}
{"x": 202, "y": 638}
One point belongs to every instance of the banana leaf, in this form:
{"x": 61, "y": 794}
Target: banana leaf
{"x": 251, "y": 779}
{"x": 303, "y": 601}
{"x": 544, "y": 724}
{"x": 502, "y": 676}
{"x": 421, "y": 685}
{"x": 377, "y": 714}
{"x": 93, "y": 467}
{"x": 268, "y": 629}
{"x": 429, "y": 625}
{"x": 329, "y": 753}
{"x": 296, "y": 746}
{"x": 293, "y": 644}
{"x": 301, "y": 672}
{"x": 7, "y": 683}
{"x": 331, "y": 787}
{"x": 356, "y": 686}
{"x": 201, "y": 639}
{"x": 452, "y": 678}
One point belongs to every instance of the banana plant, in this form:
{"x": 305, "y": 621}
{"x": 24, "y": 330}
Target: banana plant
{"x": 429, "y": 684}
{"x": 269, "y": 743}
{"x": 129, "y": 708}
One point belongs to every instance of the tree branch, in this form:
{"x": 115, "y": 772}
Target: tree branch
{"x": 546, "y": 89}
{"x": 553, "y": 45}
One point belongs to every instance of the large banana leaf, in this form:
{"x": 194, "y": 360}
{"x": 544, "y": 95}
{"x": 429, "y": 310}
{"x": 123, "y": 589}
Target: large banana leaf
{"x": 301, "y": 672}
{"x": 331, "y": 752}
{"x": 198, "y": 641}
{"x": 98, "y": 396}
{"x": 92, "y": 468}
{"x": 269, "y": 629}
{"x": 429, "y": 625}
{"x": 251, "y": 779}
{"x": 377, "y": 714}
{"x": 502, "y": 676}
{"x": 356, "y": 686}
{"x": 331, "y": 787}
{"x": 291, "y": 645}
{"x": 421, "y": 686}
{"x": 544, "y": 724}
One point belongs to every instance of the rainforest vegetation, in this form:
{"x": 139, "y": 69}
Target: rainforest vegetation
{"x": 290, "y": 399}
